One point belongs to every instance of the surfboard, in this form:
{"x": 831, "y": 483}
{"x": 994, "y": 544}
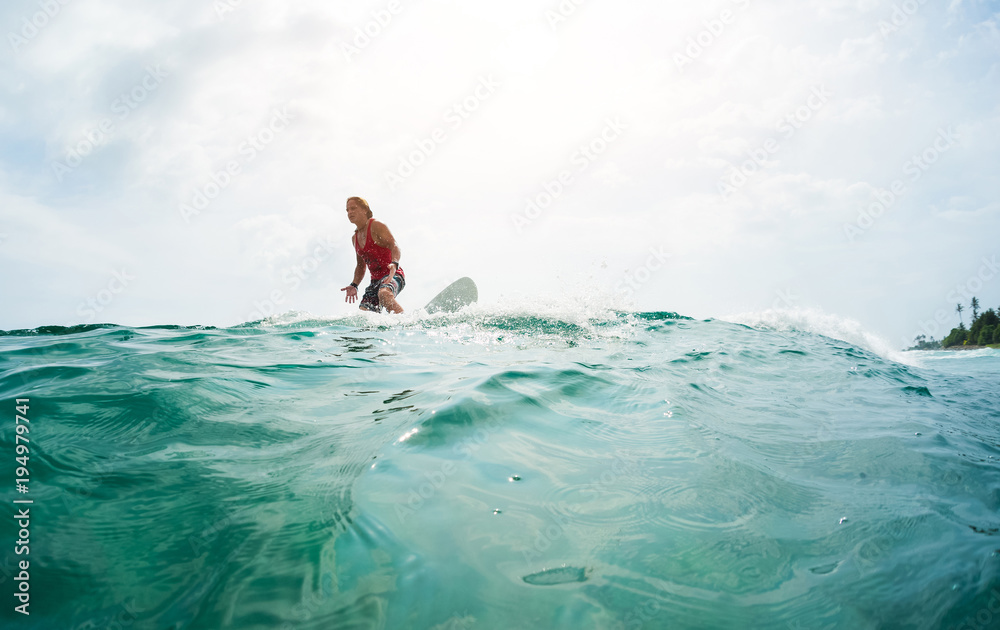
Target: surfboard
{"x": 456, "y": 295}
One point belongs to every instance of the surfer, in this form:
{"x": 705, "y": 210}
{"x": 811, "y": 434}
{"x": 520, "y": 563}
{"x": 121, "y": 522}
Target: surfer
{"x": 376, "y": 248}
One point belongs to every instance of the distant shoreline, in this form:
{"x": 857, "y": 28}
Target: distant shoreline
{"x": 994, "y": 346}
{"x": 983, "y": 332}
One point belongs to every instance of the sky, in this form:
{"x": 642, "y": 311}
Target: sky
{"x": 188, "y": 162}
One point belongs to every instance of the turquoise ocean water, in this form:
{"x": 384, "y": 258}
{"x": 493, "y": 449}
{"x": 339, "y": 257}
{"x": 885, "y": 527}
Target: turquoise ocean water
{"x": 500, "y": 470}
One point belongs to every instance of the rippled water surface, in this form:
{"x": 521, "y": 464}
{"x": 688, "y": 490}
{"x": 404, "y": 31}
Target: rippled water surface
{"x": 502, "y": 471}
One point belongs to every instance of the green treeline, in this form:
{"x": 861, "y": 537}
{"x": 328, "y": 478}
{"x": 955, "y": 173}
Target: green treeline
{"x": 984, "y": 330}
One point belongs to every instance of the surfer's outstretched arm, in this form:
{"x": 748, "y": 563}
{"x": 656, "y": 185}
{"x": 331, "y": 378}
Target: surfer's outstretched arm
{"x": 352, "y": 289}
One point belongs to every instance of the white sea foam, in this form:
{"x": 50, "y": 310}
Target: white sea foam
{"x": 573, "y": 303}
{"x": 590, "y": 310}
{"x": 820, "y": 323}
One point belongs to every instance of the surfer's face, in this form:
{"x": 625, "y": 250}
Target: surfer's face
{"x": 354, "y": 211}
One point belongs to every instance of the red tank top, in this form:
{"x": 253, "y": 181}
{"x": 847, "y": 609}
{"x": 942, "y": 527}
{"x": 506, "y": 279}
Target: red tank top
{"x": 377, "y": 258}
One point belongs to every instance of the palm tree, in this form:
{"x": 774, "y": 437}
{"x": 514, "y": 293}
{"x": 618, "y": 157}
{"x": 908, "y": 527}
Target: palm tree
{"x": 959, "y": 309}
{"x": 975, "y": 310}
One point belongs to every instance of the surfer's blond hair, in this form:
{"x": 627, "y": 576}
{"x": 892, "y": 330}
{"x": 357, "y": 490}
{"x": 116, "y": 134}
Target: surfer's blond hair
{"x": 361, "y": 202}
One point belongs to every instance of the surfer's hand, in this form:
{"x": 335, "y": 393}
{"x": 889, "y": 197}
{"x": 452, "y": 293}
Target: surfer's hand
{"x": 352, "y": 294}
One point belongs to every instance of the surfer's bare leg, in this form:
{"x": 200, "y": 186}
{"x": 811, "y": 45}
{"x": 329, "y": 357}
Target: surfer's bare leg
{"x": 388, "y": 301}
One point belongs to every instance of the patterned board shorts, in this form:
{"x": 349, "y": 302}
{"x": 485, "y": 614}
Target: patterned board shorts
{"x": 370, "y": 301}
